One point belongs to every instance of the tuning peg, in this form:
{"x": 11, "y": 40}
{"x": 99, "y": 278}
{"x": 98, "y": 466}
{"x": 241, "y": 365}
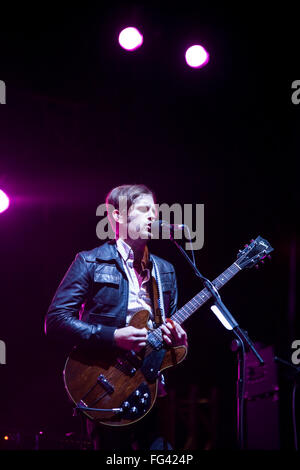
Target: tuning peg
{"x": 252, "y": 240}
{"x": 246, "y": 246}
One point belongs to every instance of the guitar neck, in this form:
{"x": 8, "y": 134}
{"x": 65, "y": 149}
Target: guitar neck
{"x": 203, "y": 296}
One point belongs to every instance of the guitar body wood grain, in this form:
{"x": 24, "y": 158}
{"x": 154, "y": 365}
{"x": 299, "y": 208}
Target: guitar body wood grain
{"x": 83, "y": 369}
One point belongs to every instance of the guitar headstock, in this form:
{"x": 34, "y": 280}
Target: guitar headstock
{"x": 253, "y": 253}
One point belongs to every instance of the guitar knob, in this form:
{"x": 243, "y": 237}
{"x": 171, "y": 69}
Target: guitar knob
{"x": 146, "y": 395}
{"x": 133, "y": 410}
{"x": 126, "y": 405}
{"x": 142, "y": 401}
{"x": 137, "y": 393}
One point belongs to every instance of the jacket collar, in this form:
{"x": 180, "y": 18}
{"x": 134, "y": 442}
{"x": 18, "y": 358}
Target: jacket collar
{"x": 108, "y": 252}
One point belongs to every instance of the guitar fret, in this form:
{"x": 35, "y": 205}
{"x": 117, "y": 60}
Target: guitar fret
{"x": 155, "y": 337}
{"x": 238, "y": 267}
{"x": 196, "y": 302}
{"x": 180, "y": 316}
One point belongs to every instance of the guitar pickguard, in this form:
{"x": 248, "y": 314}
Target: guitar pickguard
{"x": 151, "y": 364}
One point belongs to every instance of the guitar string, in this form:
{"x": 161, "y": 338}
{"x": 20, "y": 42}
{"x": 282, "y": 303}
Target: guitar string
{"x": 196, "y": 303}
{"x": 182, "y": 314}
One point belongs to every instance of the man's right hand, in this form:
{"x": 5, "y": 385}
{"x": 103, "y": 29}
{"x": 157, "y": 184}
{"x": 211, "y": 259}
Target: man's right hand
{"x": 131, "y": 338}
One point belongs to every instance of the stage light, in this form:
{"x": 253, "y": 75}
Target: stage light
{"x": 4, "y": 201}
{"x": 196, "y": 56}
{"x": 6, "y": 438}
{"x": 130, "y": 38}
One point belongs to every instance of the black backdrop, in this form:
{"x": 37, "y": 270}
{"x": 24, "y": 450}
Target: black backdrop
{"x": 83, "y": 116}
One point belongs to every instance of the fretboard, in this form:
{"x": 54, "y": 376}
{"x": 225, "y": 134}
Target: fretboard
{"x": 155, "y": 337}
{"x": 196, "y": 302}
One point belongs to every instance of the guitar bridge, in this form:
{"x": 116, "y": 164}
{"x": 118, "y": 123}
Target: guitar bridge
{"x": 125, "y": 367}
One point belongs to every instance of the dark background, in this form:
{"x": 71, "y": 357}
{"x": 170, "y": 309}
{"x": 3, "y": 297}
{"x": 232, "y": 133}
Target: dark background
{"x": 83, "y": 116}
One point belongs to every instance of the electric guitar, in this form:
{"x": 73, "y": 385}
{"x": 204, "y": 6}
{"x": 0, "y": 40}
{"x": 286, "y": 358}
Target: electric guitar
{"x": 122, "y": 391}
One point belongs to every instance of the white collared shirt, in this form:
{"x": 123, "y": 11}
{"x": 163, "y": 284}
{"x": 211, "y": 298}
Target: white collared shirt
{"x": 138, "y": 296}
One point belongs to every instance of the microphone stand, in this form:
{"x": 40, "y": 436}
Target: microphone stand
{"x": 222, "y": 312}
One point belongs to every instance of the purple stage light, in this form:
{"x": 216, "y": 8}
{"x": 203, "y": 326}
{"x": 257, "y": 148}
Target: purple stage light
{"x": 196, "y": 56}
{"x": 4, "y": 201}
{"x": 130, "y": 38}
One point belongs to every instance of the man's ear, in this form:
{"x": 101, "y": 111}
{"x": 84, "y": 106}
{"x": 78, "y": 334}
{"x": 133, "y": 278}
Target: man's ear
{"x": 117, "y": 216}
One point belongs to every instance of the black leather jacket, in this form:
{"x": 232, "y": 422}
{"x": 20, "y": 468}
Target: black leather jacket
{"x": 91, "y": 300}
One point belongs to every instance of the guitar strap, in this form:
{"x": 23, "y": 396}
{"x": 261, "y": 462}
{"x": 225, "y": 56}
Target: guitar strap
{"x": 155, "y": 288}
{"x": 158, "y": 300}
{"x": 156, "y": 309}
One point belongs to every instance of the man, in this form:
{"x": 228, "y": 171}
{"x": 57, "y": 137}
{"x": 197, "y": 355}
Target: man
{"x": 106, "y": 286}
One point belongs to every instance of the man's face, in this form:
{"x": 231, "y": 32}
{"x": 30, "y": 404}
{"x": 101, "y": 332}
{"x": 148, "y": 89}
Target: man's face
{"x": 140, "y": 216}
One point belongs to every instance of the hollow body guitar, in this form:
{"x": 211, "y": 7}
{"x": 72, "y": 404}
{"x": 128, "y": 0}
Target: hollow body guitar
{"x": 122, "y": 390}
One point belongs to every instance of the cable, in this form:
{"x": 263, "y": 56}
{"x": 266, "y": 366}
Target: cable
{"x": 190, "y": 240}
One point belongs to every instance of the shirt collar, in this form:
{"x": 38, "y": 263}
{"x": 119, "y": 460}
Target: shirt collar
{"x": 124, "y": 249}
{"x": 127, "y": 253}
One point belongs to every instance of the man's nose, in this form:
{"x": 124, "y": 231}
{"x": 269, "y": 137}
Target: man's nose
{"x": 152, "y": 215}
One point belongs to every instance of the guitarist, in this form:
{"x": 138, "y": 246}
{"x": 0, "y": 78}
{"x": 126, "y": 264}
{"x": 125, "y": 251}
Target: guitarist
{"x": 105, "y": 286}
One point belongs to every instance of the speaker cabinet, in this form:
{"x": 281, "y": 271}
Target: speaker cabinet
{"x": 261, "y": 401}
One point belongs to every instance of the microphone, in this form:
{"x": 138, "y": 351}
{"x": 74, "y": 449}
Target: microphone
{"x": 158, "y": 225}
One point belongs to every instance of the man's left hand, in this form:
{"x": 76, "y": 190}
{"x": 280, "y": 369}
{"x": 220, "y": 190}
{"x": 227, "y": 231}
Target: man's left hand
{"x": 174, "y": 334}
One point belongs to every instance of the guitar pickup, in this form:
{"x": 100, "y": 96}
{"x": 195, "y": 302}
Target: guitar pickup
{"x": 105, "y": 384}
{"x": 133, "y": 359}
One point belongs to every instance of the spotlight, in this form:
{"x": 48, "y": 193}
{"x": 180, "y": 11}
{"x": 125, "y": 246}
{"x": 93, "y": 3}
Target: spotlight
{"x": 4, "y": 201}
{"x": 130, "y": 38}
{"x": 196, "y": 56}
